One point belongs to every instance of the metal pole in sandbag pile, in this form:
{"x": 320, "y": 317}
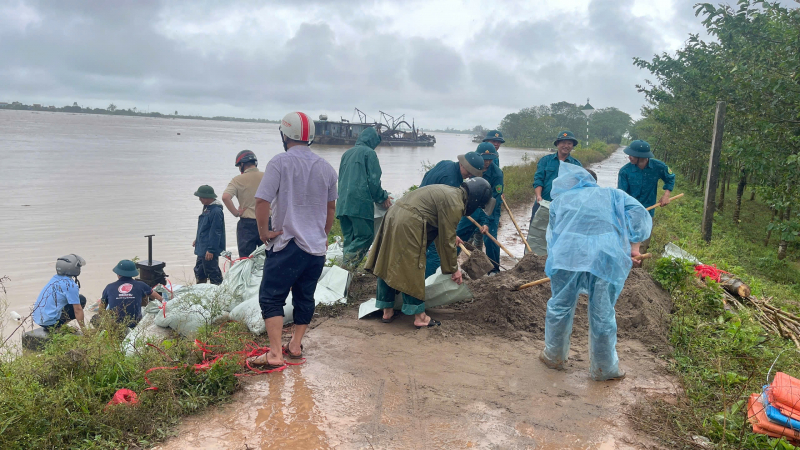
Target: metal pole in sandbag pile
{"x": 545, "y": 280}
{"x": 514, "y": 221}
{"x": 493, "y": 239}
{"x": 670, "y": 199}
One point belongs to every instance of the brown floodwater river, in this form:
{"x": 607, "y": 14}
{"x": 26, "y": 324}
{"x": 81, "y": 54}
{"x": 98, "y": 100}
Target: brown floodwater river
{"x": 96, "y": 185}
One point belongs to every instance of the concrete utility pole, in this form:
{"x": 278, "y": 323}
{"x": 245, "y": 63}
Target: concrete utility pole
{"x": 588, "y": 110}
{"x": 713, "y": 172}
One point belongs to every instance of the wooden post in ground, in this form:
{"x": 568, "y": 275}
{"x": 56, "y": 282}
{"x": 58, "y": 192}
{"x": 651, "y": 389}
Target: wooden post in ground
{"x": 713, "y": 172}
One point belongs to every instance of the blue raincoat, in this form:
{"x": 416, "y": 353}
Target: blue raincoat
{"x": 588, "y": 251}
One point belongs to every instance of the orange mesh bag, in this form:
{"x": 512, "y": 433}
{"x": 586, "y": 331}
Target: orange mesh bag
{"x": 784, "y": 394}
{"x": 757, "y": 415}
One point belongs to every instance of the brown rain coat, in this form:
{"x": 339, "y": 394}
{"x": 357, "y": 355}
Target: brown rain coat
{"x": 428, "y": 214}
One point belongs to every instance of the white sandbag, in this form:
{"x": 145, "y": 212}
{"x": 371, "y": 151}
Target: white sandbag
{"x": 146, "y": 330}
{"x": 440, "y": 290}
{"x": 193, "y": 307}
{"x": 332, "y": 286}
{"x": 249, "y": 313}
{"x": 243, "y": 280}
{"x": 335, "y": 252}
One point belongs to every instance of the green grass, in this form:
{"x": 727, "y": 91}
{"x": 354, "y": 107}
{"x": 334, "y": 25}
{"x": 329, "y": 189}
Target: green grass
{"x": 720, "y": 357}
{"x": 56, "y": 399}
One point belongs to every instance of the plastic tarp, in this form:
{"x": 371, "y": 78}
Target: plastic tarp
{"x": 440, "y": 290}
{"x": 380, "y": 211}
{"x": 672, "y": 250}
{"x": 591, "y": 227}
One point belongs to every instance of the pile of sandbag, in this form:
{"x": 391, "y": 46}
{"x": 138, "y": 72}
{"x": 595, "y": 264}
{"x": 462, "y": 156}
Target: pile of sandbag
{"x": 776, "y": 410}
{"x": 236, "y": 298}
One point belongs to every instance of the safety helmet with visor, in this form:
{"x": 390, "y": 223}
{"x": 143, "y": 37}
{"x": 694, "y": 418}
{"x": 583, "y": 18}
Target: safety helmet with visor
{"x": 245, "y": 157}
{"x": 70, "y": 265}
{"x": 297, "y": 126}
{"x": 479, "y": 195}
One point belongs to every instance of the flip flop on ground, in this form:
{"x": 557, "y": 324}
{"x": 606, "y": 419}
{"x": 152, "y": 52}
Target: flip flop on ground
{"x": 262, "y": 362}
{"x": 433, "y": 323}
{"x": 390, "y": 319}
{"x": 286, "y": 352}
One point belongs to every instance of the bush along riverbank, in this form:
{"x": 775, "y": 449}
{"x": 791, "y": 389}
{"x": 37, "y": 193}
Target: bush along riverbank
{"x": 58, "y": 398}
{"x": 518, "y": 178}
{"x": 721, "y": 354}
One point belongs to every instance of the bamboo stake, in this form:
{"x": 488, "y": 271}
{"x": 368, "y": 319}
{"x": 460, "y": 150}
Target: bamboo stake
{"x": 670, "y": 199}
{"x": 493, "y": 239}
{"x": 513, "y": 220}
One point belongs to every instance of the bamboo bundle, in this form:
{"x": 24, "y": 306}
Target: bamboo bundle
{"x": 773, "y": 319}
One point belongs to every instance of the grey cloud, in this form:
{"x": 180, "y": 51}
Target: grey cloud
{"x": 434, "y": 66}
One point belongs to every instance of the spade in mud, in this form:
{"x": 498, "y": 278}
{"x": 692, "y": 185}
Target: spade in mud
{"x": 477, "y": 265}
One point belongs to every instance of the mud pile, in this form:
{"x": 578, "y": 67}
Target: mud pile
{"x": 642, "y": 309}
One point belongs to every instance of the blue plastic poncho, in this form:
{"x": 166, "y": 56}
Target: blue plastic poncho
{"x": 591, "y": 228}
{"x": 588, "y": 251}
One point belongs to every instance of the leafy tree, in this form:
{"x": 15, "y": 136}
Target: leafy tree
{"x": 609, "y": 124}
{"x": 112, "y": 107}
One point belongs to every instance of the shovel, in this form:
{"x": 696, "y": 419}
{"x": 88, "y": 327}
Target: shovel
{"x": 670, "y": 199}
{"x": 493, "y": 239}
{"x": 545, "y": 280}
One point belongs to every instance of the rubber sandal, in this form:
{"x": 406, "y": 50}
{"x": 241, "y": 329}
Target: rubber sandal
{"x": 616, "y": 378}
{"x": 550, "y": 364}
{"x": 286, "y": 352}
{"x": 433, "y": 323}
{"x": 390, "y": 319}
{"x": 253, "y": 361}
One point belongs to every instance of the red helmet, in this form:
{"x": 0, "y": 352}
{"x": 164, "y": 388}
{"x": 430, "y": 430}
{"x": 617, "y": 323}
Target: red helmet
{"x": 297, "y": 127}
{"x": 245, "y": 156}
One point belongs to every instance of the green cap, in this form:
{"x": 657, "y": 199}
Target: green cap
{"x": 473, "y": 163}
{"x": 486, "y": 150}
{"x": 565, "y": 135}
{"x": 639, "y": 149}
{"x": 205, "y": 191}
{"x": 126, "y": 268}
{"x": 494, "y": 135}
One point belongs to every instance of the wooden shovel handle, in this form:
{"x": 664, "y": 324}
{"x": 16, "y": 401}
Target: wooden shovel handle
{"x": 514, "y": 221}
{"x": 670, "y": 199}
{"x": 641, "y": 257}
{"x": 532, "y": 283}
{"x": 464, "y": 249}
{"x": 493, "y": 239}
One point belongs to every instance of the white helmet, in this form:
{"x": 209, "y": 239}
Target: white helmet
{"x": 70, "y": 265}
{"x": 297, "y": 127}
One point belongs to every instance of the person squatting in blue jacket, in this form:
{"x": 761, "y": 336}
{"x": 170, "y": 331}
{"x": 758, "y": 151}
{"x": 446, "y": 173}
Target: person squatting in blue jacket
{"x": 592, "y": 235}
{"x": 450, "y": 173}
{"x": 210, "y": 239}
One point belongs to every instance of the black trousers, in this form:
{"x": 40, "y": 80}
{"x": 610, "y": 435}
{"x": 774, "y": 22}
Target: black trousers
{"x": 247, "y": 238}
{"x": 67, "y": 314}
{"x": 208, "y": 270}
{"x": 290, "y": 269}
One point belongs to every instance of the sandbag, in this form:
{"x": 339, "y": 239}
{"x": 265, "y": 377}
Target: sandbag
{"x": 146, "y": 330}
{"x": 440, "y": 290}
{"x": 243, "y": 280}
{"x": 784, "y": 394}
{"x": 249, "y": 313}
{"x": 193, "y": 307}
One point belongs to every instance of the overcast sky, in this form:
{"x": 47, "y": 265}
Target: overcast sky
{"x": 445, "y": 63}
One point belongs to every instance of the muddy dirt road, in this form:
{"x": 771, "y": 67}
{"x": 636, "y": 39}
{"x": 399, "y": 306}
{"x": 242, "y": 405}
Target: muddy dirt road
{"x": 371, "y": 385}
{"x": 475, "y": 382}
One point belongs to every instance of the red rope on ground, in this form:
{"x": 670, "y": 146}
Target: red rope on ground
{"x": 704, "y": 271}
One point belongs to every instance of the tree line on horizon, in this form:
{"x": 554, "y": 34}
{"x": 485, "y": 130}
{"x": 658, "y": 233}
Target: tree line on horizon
{"x": 537, "y": 126}
{"x": 113, "y": 110}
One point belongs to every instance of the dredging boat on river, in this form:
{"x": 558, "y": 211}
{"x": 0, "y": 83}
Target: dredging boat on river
{"x": 395, "y": 132}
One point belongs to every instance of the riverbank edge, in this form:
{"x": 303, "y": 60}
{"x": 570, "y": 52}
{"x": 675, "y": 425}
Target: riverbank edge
{"x": 720, "y": 355}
